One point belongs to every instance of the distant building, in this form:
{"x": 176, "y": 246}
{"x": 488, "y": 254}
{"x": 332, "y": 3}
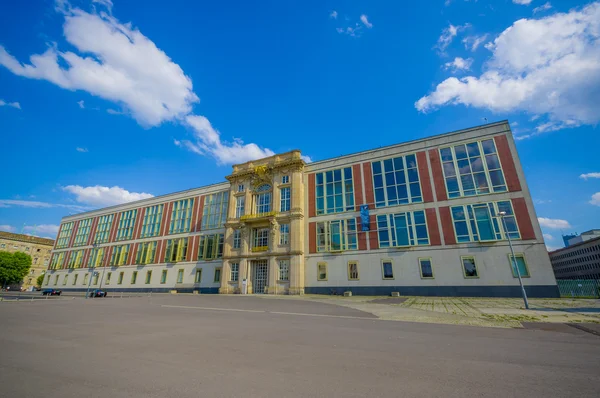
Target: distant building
{"x": 567, "y": 238}
{"x": 40, "y": 250}
{"x": 580, "y": 260}
{"x": 591, "y": 234}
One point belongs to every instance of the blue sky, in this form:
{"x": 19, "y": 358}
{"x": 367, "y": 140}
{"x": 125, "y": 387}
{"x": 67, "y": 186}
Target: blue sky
{"x": 103, "y": 102}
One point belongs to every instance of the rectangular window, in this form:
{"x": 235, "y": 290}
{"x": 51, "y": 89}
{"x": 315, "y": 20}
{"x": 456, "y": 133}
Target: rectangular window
{"x": 235, "y": 272}
{"x": 240, "y": 188}
{"x": 146, "y": 253}
{"x": 387, "y": 269}
{"x": 262, "y": 199}
{"x": 152, "y": 221}
{"x": 176, "y": 250}
{"x": 103, "y": 228}
{"x": 214, "y": 213}
{"x": 120, "y": 280}
{"x": 65, "y": 279}
{"x": 426, "y": 268}
{"x": 402, "y": 229}
{"x": 284, "y": 234}
{"x": 217, "y": 277}
{"x": 237, "y": 238}
{"x": 85, "y": 279}
{"x": 126, "y": 224}
{"x": 96, "y": 257}
{"x": 321, "y": 271}
{"x": 180, "y": 276}
{"x": 148, "y": 277}
{"x": 472, "y": 169}
{"x": 396, "y": 181}
{"x": 83, "y": 232}
{"x": 210, "y": 247}
{"x": 108, "y": 276}
{"x": 240, "y": 203}
{"x": 96, "y": 275}
{"x": 119, "y": 255}
{"x": 286, "y": 200}
{"x": 57, "y": 260}
{"x": 519, "y": 261}
{"x": 285, "y": 179}
{"x": 352, "y": 270}
{"x": 76, "y": 259}
{"x": 260, "y": 239}
{"x": 64, "y": 235}
{"x": 75, "y": 279}
{"x": 480, "y": 223}
{"x": 334, "y": 191}
{"x": 163, "y": 277}
{"x": 133, "y": 277}
{"x": 48, "y": 280}
{"x": 284, "y": 270}
{"x": 198, "y": 277}
{"x": 337, "y": 235}
{"x": 469, "y": 267}
{"x": 181, "y": 216}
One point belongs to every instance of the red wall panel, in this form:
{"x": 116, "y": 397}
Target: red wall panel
{"x": 523, "y": 219}
{"x": 438, "y": 175}
{"x": 447, "y": 227}
{"x": 508, "y": 163}
{"x": 432, "y": 226}
{"x": 358, "y": 185}
{"x": 424, "y": 177}
{"x": 368, "y": 184}
{"x": 312, "y": 237}
{"x": 311, "y": 195}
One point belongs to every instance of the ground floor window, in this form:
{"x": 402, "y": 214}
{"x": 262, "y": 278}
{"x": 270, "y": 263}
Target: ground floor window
{"x": 387, "y": 269}
{"x": 217, "y": 277}
{"x": 235, "y": 271}
{"x": 56, "y": 280}
{"x": 284, "y": 234}
{"x": 48, "y": 280}
{"x": 133, "y": 277}
{"x": 148, "y": 277}
{"x": 120, "y": 280}
{"x": 108, "y": 278}
{"x": 352, "y": 271}
{"x": 85, "y": 278}
{"x": 469, "y": 267}
{"x": 425, "y": 268}
{"x": 75, "y": 279}
{"x": 198, "y": 277}
{"x": 66, "y": 278}
{"x": 284, "y": 270}
{"x": 163, "y": 277}
{"x": 95, "y": 278}
{"x": 180, "y": 276}
{"x": 321, "y": 271}
{"x": 518, "y": 261}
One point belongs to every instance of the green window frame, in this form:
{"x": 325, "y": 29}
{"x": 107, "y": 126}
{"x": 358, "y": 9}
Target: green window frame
{"x": 95, "y": 276}
{"x": 284, "y": 270}
{"x": 217, "y": 277}
{"x": 119, "y": 255}
{"x": 96, "y": 257}
{"x": 387, "y": 269}
{"x": 396, "y": 181}
{"x": 180, "y": 275}
{"x": 57, "y": 260}
{"x": 285, "y": 199}
{"x": 120, "y": 279}
{"x": 321, "y": 271}
{"x": 75, "y": 279}
{"x": 214, "y": 213}
{"x": 83, "y": 232}
{"x": 65, "y": 280}
{"x": 334, "y": 191}
{"x": 148, "y": 277}
{"x": 469, "y": 267}
{"x": 176, "y": 250}
{"x": 520, "y": 261}
{"x": 181, "y": 216}
{"x": 134, "y": 277}
{"x": 479, "y": 222}
{"x": 86, "y": 277}
{"x": 353, "y": 271}
{"x": 198, "y": 276}
{"x": 152, "y": 221}
{"x": 76, "y": 259}
{"x": 426, "y": 268}
{"x": 108, "y": 276}
{"x": 240, "y": 206}
{"x": 146, "y": 253}
{"x": 337, "y": 235}
{"x": 403, "y": 229}
{"x": 126, "y": 225}
{"x": 235, "y": 272}
{"x": 210, "y": 247}
{"x": 103, "y": 228}
{"x": 64, "y": 236}
{"x": 163, "y": 277}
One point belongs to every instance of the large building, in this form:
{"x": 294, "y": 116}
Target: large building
{"x": 418, "y": 218}
{"x": 39, "y": 249}
{"x": 579, "y": 260}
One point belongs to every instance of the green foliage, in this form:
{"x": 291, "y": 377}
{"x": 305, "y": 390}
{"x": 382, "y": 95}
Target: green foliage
{"x": 39, "y": 280}
{"x": 13, "y": 267}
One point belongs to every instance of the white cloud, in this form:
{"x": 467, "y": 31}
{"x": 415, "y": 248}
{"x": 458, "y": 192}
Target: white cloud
{"x": 7, "y": 228}
{"x": 548, "y": 66}
{"x": 552, "y": 248}
{"x": 42, "y": 229}
{"x": 459, "y": 64}
{"x": 595, "y": 199}
{"x": 333, "y": 14}
{"x": 522, "y": 2}
{"x": 40, "y": 205}
{"x": 548, "y": 237}
{"x": 364, "y": 19}
{"x": 473, "y": 42}
{"x": 104, "y": 196}
{"x": 15, "y": 105}
{"x": 589, "y": 175}
{"x": 106, "y": 3}
{"x": 542, "y": 201}
{"x": 81, "y": 104}
{"x": 448, "y": 34}
{"x": 79, "y": 149}
{"x": 544, "y": 7}
{"x": 306, "y": 158}
{"x": 553, "y": 223}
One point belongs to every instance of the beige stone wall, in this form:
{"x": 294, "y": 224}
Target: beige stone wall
{"x": 38, "y": 248}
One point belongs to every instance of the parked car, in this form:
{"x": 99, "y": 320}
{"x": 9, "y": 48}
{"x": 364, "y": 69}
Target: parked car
{"x": 98, "y": 293}
{"x": 51, "y": 292}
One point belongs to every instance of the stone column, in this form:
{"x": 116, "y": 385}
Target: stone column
{"x": 243, "y": 273}
{"x": 225, "y": 277}
{"x": 273, "y": 276}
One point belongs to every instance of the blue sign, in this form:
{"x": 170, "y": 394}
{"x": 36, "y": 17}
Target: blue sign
{"x": 364, "y": 218}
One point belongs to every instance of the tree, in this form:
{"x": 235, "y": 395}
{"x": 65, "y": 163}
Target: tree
{"x": 13, "y": 267}
{"x": 39, "y": 280}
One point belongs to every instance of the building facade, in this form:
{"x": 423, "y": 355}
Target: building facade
{"x": 419, "y": 218}
{"x": 40, "y": 250}
{"x": 579, "y": 260}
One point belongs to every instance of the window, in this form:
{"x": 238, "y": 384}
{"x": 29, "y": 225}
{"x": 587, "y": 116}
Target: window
{"x": 57, "y": 260}
{"x": 119, "y": 255}
{"x": 45, "y": 262}
{"x": 133, "y": 277}
{"x": 260, "y": 239}
{"x": 285, "y": 179}
{"x": 237, "y": 238}
{"x": 402, "y": 229}
{"x": 126, "y": 225}
{"x": 321, "y": 271}
{"x": 76, "y": 259}
{"x": 75, "y": 279}
{"x": 103, "y": 228}
{"x": 181, "y": 216}
{"x": 387, "y": 269}
{"x": 337, "y": 235}
{"x": 35, "y": 260}
{"x": 518, "y": 261}
{"x": 240, "y": 203}
{"x": 285, "y": 199}
{"x": 240, "y": 188}
{"x": 64, "y": 235}
{"x": 334, "y": 193}
{"x": 217, "y": 277}
{"x": 262, "y": 199}
{"x": 198, "y": 277}
{"x": 95, "y": 275}
{"x": 27, "y": 248}
{"x": 108, "y": 276}
{"x": 176, "y": 250}
{"x": 210, "y": 247}
{"x": 48, "y": 280}
{"x": 83, "y": 232}
{"x": 120, "y": 280}
{"x": 65, "y": 279}
{"x": 427, "y": 270}
{"x": 3, "y": 245}
{"x": 215, "y": 210}
{"x": 284, "y": 270}
{"x": 472, "y": 169}
{"x": 235, "y": 271}
{"x": 146, "y": 253}
{"x": 163, "y": 277}
{"x": 152, "y": 221}
{"x": 352, "y": 270}
{"x": 479, "y": 222}
{"x": 469, "y": 267}
{"x": 396, "y": 181}
{"x": 85, "y": 278}
{"x": 284, "y": 234}
{"x": 96, "y": 257}
{"x": 148, "y": 277}
{"x": 180, "y": 276}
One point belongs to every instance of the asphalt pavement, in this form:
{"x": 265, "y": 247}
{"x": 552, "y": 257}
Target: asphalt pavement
{"x": 225, "y": 346}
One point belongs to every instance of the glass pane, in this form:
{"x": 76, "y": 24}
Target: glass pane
{"x": 460, "y": 151}
{"x": 347, "y": 173}
{"x": 398, "y": 164}
{"x": 488, "y": 146}
{"x": 421, "y": 232}
{"x": 464, "y": 167}
{"x": 388, "y": 165}
{"x": 419, "y": 217}
{"x": 481, "y": 183}
{"x": 391, "y": 192}
{"x": 469, "y": 267}
{"x": 476, "y": 165}
{"x": 337, "y": 175}
{"x": 320, "y": 179}
{"x": 492, "y": 162}
{"x": 467, "y": 182}
{"x": 376, "y": 167}
{"x": 379, "y": 197}
{"x": 473, "y": 149}
{"x": 520, "y": 262}
{"x": 320, "y": 191}
{"x": 413, "y": 175}
{"x": 389, "y": 179}
{"x": 497, "y": 178}
{"x": 411, "y": 161}
{"x": 446, "y": 154}
{"x": 378, "y": 180}
{"x": 449, "y": 170}
{"x": 387, "y": 270}
{"x": 400, "y": 178}
{"x": 452, "y": 184}
{"x": 415, "y": 190}
{"x": 484, "y": 223}
{"x": 402, "y": 238}
{"x": 426, "y": 270}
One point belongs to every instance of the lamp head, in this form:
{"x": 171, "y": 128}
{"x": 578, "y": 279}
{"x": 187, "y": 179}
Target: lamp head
{"x": 501, "y": 213}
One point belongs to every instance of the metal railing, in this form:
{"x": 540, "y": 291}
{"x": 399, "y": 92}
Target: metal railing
{"x": 589, "y": 288}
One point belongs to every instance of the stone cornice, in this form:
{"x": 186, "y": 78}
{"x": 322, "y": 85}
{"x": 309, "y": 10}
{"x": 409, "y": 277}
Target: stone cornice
{"x": 26, "y": 238}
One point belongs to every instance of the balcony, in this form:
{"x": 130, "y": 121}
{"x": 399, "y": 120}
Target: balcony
{"x": 259, "y": 216}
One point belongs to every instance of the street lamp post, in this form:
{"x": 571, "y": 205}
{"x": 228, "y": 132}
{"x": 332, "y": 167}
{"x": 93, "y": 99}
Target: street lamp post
{"x": 513, "y": 260}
